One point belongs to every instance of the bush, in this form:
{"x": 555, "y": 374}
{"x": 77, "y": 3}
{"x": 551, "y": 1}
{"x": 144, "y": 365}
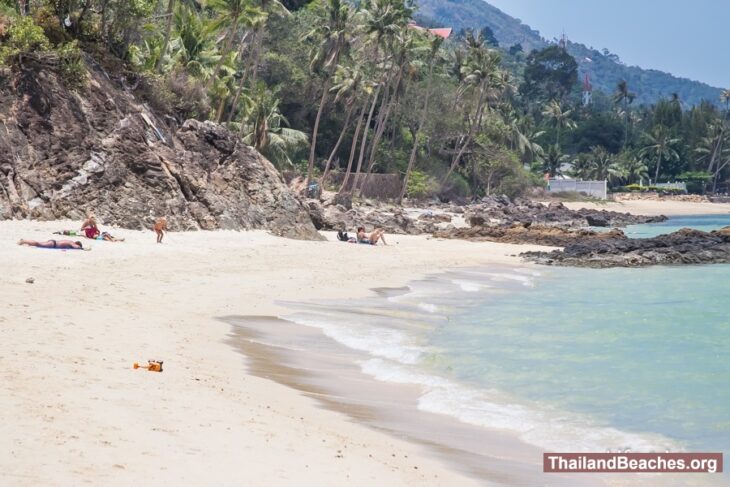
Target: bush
{"x": 421, "y": 185}
{"x": 23, "y": 37}
{"x": 52, "y": 29}
{"x": 72, "y": 67}
{"x": 456, "y": 187}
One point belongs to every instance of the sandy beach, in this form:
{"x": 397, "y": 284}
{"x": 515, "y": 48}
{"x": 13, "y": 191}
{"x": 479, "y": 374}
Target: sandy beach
{"x": 655, "y": 207}
{"x": 76, "y": 412}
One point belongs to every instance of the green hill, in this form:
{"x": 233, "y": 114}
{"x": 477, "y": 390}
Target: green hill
{"x": 605, "y": 69}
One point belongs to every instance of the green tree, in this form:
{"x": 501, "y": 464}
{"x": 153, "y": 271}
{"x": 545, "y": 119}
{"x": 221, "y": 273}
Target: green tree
{"x": 550, "y": 73}
{"x": 659, "y": 148}
{"x": 333, "y": 32}
{"x": 435, "y": 45}
{"x": 624, "y": 97}
{"x": 559, "y": 118}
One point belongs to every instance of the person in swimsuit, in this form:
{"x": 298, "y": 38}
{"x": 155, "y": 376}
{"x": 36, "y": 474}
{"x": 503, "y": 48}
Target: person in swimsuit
{"x": 90, "y": 228}
{"x": 52, "y": 244}
{"x": 373, "y": 238}
{"x": 91, "y": 231}
{"x": 160, "y": 227}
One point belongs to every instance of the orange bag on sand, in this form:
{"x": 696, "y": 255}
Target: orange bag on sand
{"x": 152, "y": 366}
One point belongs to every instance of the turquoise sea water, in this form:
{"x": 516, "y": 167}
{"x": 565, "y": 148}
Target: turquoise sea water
{"x": 567, "y": 359}
{"x": 700, "y": 222}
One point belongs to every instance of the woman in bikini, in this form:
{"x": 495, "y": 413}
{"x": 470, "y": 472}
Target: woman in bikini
{"x": 373, "y": 239}
{"x": 52, "y": 244}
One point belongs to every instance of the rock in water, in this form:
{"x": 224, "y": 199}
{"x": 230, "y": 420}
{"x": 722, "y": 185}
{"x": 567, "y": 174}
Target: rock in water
{"x": 597, "y": 221}
{"x": 685, "y": 246}
{"x": 64, "y": 154}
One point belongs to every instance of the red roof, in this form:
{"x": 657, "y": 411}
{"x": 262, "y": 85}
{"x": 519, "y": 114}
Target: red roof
{"x": 444, "y": 32}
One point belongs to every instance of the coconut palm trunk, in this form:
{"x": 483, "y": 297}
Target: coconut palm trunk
{"x": 168, "y": 30}
{"x": 421, "y": 123}
{"x": 392, "y": 98}
{"x": 345, "y": 126}
{"x": 226, "y": 49}
{"x": 315, "y": 130}
{"x": 658, "y": 167}
{"x": 353, "y": 147}
{"x": 470, "y": 136}
{"x": 364, "y": 142}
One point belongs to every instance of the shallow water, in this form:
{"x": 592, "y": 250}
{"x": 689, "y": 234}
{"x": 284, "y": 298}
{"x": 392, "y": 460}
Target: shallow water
{"x": 705, "y": 223}
{"x": 567, "y": 359}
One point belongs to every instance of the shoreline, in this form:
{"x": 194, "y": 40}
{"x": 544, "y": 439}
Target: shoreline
{"x": 293, "y": 350}
{"x": 75, "y": 410}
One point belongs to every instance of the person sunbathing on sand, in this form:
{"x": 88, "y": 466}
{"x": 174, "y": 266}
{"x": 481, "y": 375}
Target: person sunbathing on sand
{"x": 373, "y": 239}
{"x": 52, "y": 244}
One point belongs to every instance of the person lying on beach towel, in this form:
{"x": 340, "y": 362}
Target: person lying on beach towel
{"x": 373, "y": 238}
{"x": 106, "y": 236}
{"x": 52, "y": 244}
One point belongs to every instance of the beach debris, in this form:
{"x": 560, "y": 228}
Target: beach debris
{"x": 152, "y": 366}
{"x": 30, "y": 280}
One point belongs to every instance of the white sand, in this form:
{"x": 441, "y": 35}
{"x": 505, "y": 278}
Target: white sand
{"x": 653, "y": 208}
{"x": 74, "y": 411}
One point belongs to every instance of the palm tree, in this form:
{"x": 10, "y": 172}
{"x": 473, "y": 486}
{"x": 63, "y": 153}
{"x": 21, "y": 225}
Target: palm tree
{"x": 385, "y": 23}
{"x": 268, "y": 7}
{"x": 725, "y": 97}
{"x": 582, "y": 168}
{"x": 714, "y": 148}
{"x": 334, "y": 34}
{"x": 602, "y": 161}
{"x": 435, "y": 45}
{"x": 348, "y": 85}
{"x": 623, "y": 96}
{"x": 194, "y": 48}
{"x": 554, "y": 160}
{"x": 265, "y": 129}
{"x": 232, "y": 14}
{"x": 660, "y": 148}
{"x": 559, "y": 117}
{"x": 402, "y": 48}
{"x": 168, "y": 30}
{"x": 480, "y": 69}
{"x": 629, "y": 169}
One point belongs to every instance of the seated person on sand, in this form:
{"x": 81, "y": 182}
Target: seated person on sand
{"x": 373, "y": 239}
{"x": 159, "y": 228}
{"x": 91, "y": 230}
{"x": 52, "y": 244}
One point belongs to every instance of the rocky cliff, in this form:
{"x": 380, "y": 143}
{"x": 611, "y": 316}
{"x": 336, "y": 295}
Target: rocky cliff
{"x": 65, "y": 153}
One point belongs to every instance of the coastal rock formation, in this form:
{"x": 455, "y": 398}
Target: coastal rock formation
{"x": 551, "y": 236}
{"x": 685, "y": 246}
{"x": 65, "y": 153}
{"x": 332, "y": 215}
{"x": 501, "y": 210}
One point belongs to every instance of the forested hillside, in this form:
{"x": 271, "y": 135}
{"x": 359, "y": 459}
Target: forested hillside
{"x": 337, "y": 91}
{"x": 604, "y": 68}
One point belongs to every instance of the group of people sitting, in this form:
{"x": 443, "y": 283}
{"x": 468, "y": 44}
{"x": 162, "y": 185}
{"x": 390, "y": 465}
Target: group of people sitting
{"x": 89, "y": 229}
{"x": 378, "y": 235}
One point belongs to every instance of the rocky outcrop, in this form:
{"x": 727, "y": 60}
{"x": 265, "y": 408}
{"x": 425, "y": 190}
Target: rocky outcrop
{"x": 501, "y": 210}
{"x": 551, "y": 236}
{"x": 685, "y": 246}
{"x": 332, "y": 215}
{"x": 64, "y": 154}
